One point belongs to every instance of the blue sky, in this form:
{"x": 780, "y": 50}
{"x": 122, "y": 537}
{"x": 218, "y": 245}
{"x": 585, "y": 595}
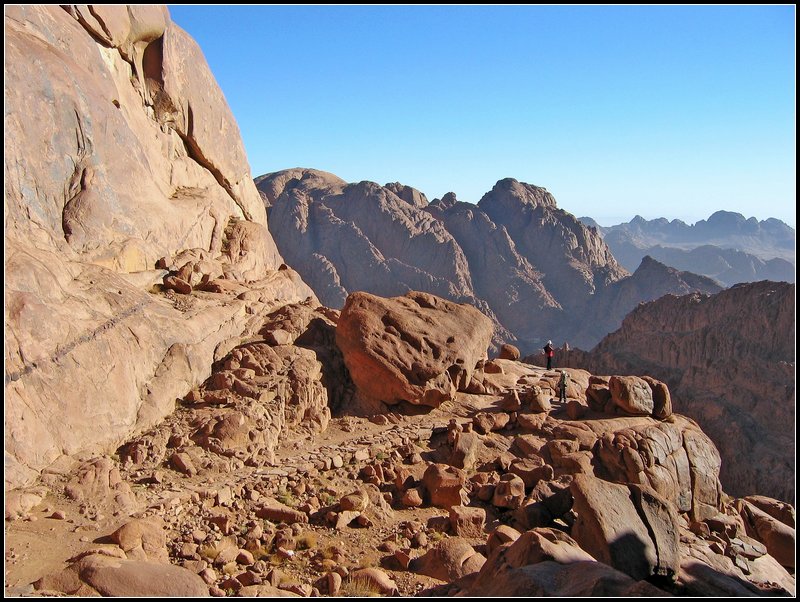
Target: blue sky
{"x": 661, "y": 111}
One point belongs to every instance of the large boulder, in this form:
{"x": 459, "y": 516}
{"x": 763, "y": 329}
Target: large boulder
{"x": 548, "y": 562}
{"x": 631, "y": 528}
{"x": 104, "y": 575}
{"x": 448, "y": 560}
{"x": 777, "y": 536}
{"x": 632, "y": 395}
{"x": 418, "y": 348}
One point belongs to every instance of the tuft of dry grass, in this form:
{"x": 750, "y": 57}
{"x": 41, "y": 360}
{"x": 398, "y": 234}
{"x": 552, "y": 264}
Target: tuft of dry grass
{"x": 359, "y": 587}
{"x": 306, "y": 541}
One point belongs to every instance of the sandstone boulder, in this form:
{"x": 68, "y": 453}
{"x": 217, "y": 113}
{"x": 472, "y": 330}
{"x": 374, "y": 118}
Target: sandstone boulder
{"x": 675, "y": 459}
{"x": 778, "y": 537}
{"x": 418, "y": 348}
{"x": 508, "y": 352}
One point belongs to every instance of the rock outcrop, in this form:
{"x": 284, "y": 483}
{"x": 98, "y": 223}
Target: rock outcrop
{"x": 534, "y": 269}
{"x": 119, "y": 150}
{"x": 729, "y": 361}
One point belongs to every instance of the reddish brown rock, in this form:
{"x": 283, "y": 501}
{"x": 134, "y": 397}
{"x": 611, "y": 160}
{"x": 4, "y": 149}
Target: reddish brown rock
{"x": 448, "y": 560}
{"x": 778, "y": 537}
{"x": 552, "y": 579}
{"x": 467, "y": 521}
{"x": 502, "y": 535}
{"x": 775, "y": 508}
{"x": 418, "y": 348}
{"x": 375, "y": 579}
{"x": 509, "y": 492}
{"x": 103, "y": 575}
{"x": 631, "y": 529}
{"x": 95, "y": 355}
{"x": 662, "y": 400}
{"x": 445, "y": 486}
{"x": 466, "y": 448}
{"x": 508, "y": 352}
{"x": 632, "y": 395}
{"x": 142, "y": 539}
{"x": 531, "y": 470}
{"x": 280, "y": 513}
{"x": 99, "y": 481}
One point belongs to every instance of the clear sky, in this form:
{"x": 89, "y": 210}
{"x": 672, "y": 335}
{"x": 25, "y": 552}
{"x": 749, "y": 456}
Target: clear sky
{"x": 661, "y": 111}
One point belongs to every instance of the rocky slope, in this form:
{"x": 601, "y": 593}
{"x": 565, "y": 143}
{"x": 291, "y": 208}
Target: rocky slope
{"x": 119, "y": 151}
{"x": 729, "y": 360}
{"x": 535, "y": 270}
{"x": 726, "y": 247}
{"x": 250, "y": 489}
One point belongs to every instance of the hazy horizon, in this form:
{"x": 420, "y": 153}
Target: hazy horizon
{"x": 660, "y": 111}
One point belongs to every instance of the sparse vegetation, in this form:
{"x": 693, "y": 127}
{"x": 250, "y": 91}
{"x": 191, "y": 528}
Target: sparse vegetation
{"x": 306, "y": 541}
{"x": 359, "y": 588}
{"x": 209, "y": 551}
{"x": 286, "y": 498}
{"x": 437, "y": 536}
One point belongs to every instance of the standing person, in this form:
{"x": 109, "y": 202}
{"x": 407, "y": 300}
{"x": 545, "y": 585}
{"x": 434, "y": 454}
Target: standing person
{"x": 549, "y": 353}
{"x": 562, "y": 387}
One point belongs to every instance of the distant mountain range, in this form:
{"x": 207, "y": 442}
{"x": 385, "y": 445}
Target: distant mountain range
{"x": 533, "y": 268}
{"x": 727, "y": 246}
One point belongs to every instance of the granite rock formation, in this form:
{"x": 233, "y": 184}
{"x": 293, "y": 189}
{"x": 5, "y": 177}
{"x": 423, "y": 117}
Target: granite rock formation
{"x": 119, "y": 150}
{"x": 534, "y": 269}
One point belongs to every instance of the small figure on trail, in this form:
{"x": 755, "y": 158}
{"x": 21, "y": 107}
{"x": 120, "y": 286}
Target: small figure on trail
{"x": 562, "y": 386}
{"x": 549, "y": 353}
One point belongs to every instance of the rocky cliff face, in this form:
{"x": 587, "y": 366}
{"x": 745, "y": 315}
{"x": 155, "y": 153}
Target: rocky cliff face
{"x": 729, "y": 360}
{"x": 119, "y": 150}
{"x": 534, "y": 269}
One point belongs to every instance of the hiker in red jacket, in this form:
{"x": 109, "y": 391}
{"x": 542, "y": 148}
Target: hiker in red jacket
{"x": 549, "y": 353}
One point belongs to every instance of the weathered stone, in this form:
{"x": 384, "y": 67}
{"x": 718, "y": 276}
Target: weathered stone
{"x": 450, "y": 559}
{"x": 142, "y": 539}
{"x": 531, "y": 470}
{"x": 632, "y": 395}
{"x": 502, "y": 535}
{"x": 467, "y": 521}
{"x": 280, "y": 513}
{"x": 466, "y": 448}
{"x": 418, "y": 348}
{"x": 631, "y": 529}
{"x": 375, "y": 579}
{"x": 509, "y": 492}
{"x": 445, "y": 486}
{"x": 508, "y": 352}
